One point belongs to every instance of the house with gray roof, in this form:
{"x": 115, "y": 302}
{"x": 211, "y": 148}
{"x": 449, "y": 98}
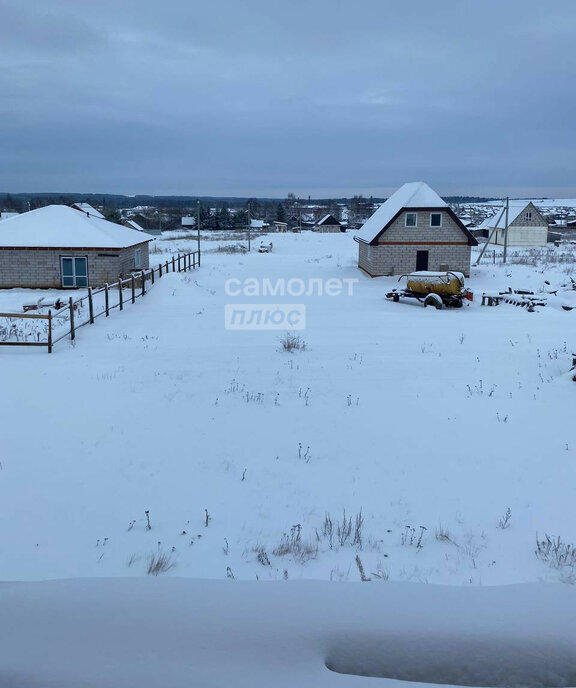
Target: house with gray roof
{"x": 59, "y": 247}
{"x": 414, "y": 230}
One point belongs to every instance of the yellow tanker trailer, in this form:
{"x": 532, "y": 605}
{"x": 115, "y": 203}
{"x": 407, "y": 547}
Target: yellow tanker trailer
{"x": 433, "y": 289}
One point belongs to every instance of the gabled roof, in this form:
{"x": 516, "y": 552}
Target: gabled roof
{"x": 59, "y": 226}
{"x": 417, "y": 195}
{"x": 133, "y": 225}
{"x": 324, "y": 220}
{"x": 410, "y": 195}
{"x": 88, "y": 209}
{"x": 515, "y": 208}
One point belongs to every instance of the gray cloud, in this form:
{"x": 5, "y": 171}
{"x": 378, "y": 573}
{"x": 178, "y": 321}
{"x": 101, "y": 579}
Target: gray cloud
{"x": 323, "y": 97}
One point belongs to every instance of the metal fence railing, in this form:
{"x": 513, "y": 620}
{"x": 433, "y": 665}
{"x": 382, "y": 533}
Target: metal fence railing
{"x": 67, "y": 319}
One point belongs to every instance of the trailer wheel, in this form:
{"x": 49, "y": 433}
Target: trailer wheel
{"x": 396, "y": 298}
{"x": 433, "y": 300}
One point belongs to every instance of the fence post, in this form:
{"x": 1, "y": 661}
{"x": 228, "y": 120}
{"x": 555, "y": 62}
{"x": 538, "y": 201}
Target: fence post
{"x": 189, "y": 261}
{"x": 194, "y": 261}
{"x": 173, "y": 264}
{"x": 198, "y": 256}
{"x": 120, "y": 294}
{"x": 90, "y": 305}
{"x": 72, "y": 331}
{"x": 179, "y": 268}
{"x": 106, "y": 300}
{"x": 49, "y": 331}
{"x": 152, "y": 275}
{"x": 133, "y": 283}
{"x": 143, "y": 282}
{"x": 160, "y": 270}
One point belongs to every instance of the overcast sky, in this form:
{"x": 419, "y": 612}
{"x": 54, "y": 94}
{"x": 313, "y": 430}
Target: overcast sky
{"x": 264, "y": 97}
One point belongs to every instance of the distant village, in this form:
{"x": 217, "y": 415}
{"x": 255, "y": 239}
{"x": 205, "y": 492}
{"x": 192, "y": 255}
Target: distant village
{"x": 46, "y": 242}
{"x": 289, "y": 214}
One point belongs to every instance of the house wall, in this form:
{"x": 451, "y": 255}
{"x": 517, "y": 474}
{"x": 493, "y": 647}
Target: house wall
{"x": 522, "y": 236}
{"x": 395, "y": 253}
{"x": 328, "y": 228}
{"x": 40, "y": 268}
{"x": 387, "y": 259}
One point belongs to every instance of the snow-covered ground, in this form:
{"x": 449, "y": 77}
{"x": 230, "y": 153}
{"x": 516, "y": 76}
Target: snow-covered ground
{"x": 431, "y": 423}
{"x": 160, "y": 633}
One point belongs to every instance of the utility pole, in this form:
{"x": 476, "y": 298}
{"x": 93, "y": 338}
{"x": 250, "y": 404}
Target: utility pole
{"x": 506, "y": 231}
{"x": 492, "y": 233}
{"x": 198, "y": 228}
{"x": 249, "y": 227}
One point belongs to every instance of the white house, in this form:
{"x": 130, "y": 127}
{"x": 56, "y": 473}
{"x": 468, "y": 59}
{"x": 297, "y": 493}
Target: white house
{"x": 526, "y": 226}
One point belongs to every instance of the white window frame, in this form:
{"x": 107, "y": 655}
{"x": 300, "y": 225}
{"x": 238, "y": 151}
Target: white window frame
{"x": 415, "y": 220}
{"x": 137, "y": 258}
{"x": 435, "y": 226}
{"x": 73, "y": 259}
{"x": 528, "y": 214}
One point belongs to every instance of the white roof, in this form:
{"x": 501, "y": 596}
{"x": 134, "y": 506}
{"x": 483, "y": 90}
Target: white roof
{"x": 188, "y": 221}
{"x": 515, "y": 208}
{"x": 410, "y": 195}
{"x": 256, "y": 224}
{"x": 134, "y": 225}
{"x": 87, "y": 208}
{"x": 59, "y": 226}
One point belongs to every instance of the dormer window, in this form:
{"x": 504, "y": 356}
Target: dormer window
{"x": 411, "y": 220}
{"x": 435, "y": 219}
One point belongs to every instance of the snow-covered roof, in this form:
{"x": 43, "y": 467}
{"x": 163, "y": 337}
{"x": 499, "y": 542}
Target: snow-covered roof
{"x": 515, "y": 208}
{"x": 326, "y": 217}
{"x": 256, "y": 224}
{"x": 134, "y": 225}
{"x": 87, "y": 208}
{"x": 188, "y": 221}
{"x": 410, "y": 195}
{"x": 59, "y": 226}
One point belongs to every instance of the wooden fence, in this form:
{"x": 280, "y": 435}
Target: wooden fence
{"x": 137, "y": 284}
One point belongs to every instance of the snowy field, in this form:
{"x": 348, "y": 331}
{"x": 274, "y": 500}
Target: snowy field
{"x": 423, "y": 426}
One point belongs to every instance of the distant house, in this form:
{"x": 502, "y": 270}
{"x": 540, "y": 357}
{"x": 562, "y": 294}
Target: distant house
{"x": 280, "y": 226}
{"x": 414, "y": 230}
{"x": 328, "y": 223}
{"x": 526, "y": 226}
{"x": 59, "y": 247}
{"x": 132, "y": 224}
{"x": 258, "y": 224}
{"x": 88, "y": 209}
{"x": 188, "y": 221}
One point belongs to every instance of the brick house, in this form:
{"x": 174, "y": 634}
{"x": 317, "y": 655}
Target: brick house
{"x": 59, "y": 247}
{"x": 328, "y": 223}
{"x": 414, "y": 230}
{"x": 526, "y": 226}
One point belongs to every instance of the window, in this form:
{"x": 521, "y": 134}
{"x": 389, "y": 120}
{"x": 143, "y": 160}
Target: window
{"x": 137, "y": 257}
{"x": 435, "y": 219}
{"x": 529, "y": 215}
{"x": 74, "y": 271}
{"x": 411, "y": 220}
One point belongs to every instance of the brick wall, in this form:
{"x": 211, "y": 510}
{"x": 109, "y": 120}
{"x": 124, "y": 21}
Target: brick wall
{"x": 40, "y": 269}
{"x": 395, "y": 254}
{"x": 536, "y": 220}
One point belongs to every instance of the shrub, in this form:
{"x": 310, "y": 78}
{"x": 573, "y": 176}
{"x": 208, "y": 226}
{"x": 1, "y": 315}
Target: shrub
{"x": 291, "y": 342}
